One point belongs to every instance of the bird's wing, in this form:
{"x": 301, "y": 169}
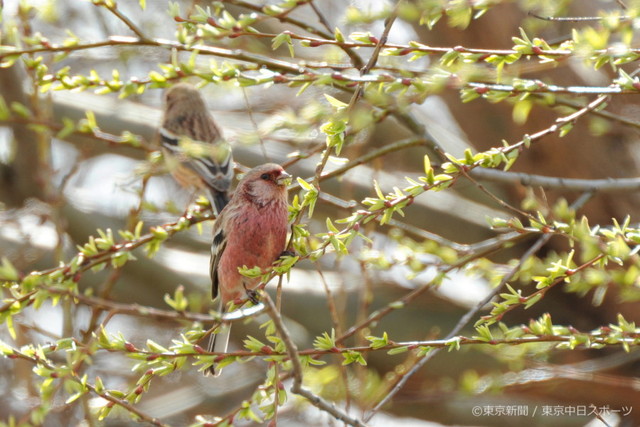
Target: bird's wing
{"x": 216, "y": 169}
{"x": 217, "y": 248}
{"x": 168, "y": 139}
{"x": 214, "y": 165}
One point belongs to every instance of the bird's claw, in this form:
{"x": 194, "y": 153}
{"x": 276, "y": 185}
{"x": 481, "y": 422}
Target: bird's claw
{"x": 252, "y": 296}
{"x": 287, "y": 253}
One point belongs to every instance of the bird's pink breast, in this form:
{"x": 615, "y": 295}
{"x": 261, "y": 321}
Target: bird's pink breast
{"x": 256, "y": 237}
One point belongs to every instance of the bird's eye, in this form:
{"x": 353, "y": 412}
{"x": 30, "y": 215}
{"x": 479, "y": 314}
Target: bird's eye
{"x": 264, "y": 176}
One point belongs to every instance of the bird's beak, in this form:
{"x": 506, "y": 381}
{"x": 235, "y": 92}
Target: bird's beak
{"x": 283, "y": 179}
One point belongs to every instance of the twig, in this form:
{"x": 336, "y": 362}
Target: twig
{"x": 379, "y": 152}
{"x": 254, "y": 124}
{"x": 548, "y": 88}
{"x": 355, "y": 58}
{"x": 36, "y": 360}
{"x": 323, "y": 19}
{"x": 337, "y": 326}
{"x": 497, "y": 199}
{"x": 132, "y": 309}
{"x": 600, "y": 113}
{"x": 575, "y": 18}
{"x": 412, "y": 229}
{"x": 570, "y": 184}
{"x": 461, "y": 323}
{"x": 376, "y": 53}
{"x": 113, "y": 8}
{"x": 473, "y": 312}
{"x": 297, "y": 388}
{"x": 558, "y": 124}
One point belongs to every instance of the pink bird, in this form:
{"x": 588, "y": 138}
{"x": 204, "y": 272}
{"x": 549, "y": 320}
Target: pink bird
{"x": 250, "y": 231}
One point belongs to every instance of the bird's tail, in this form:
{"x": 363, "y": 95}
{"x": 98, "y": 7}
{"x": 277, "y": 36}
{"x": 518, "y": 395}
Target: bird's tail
{"x": 218, "y": 343}
{"x": 219, "y": 200}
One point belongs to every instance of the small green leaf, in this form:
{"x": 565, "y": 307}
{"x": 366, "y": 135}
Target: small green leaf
{"x": 335, "y": 102}
{"x": 8, "y": 271}
{"x": 427, "y": 165}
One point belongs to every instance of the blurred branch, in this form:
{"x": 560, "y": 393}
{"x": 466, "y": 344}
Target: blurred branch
{"x": 113, "y": 8}
{"x": 478, "y": 307}
{"x": 541, "y": 87}
{"x": 299, "y": 70}
{"x": 552, "y": 182}
{"x": 125, "y": 139}
{"x": 323, "y": 19}
{"x": 373, "y": 154}
{"x": 325, "y": 35}
{"x": 600, "y": 113}
{"x": 20, "y": 179}
{"x": 373, "y": 59}
{"x": 86, "y": 386}
{"x": 133, "y": 309}
{"x": 597, "y": 337}
{"x": 325, "y": 39}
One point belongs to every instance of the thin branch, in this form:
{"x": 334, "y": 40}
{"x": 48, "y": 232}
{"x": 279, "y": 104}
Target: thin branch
{"x": 17, "y": 354}
{"x": 498, "y": 200}
{"x": 327, "y": 39}
{"x": 297, "y": 388}
{"x": 600, "y": 113}
{"x": 412, "y": 229}
{"x": 276, "y": 64}
{"x": 577, "y": 18}
{"x": 323, "y": 19}
{"x": 379, "y": 152}
{"x": 552, "y": 182}
{"x": 472, "y": 313}
{"x": 283, "y": 18}
{"x": 550, "y": 88}
{"x": 328, "y": 36}
{"x": 133, "y": 309}
{"x": 252, "y": 119}
{"x": 598, "y": 337}
{"x": 303, "y": 72}
{"x": 113, "y": 8}
{"x": 558, "y": 124}
{"x": 376, "y": 53}
{"x": 337, "y": 326}
{"x": 127, "y": 406}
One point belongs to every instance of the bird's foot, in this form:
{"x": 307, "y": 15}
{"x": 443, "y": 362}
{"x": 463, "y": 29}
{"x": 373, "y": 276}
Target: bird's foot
{"x": 252, "y": 294}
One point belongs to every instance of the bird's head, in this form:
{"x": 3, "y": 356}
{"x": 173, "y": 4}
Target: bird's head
{"x": 183, "y": 96}
{"x": 266, "y": 183}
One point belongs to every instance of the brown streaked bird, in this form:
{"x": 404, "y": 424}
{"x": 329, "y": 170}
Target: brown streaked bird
{"x": 196, "y": 153}
{"x": 250, "y": 231}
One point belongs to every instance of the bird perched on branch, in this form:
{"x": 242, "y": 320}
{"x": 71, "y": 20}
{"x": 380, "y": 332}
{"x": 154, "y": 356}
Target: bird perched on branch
{"x": 196, "y": 153}
{"x": 251, "y": 231}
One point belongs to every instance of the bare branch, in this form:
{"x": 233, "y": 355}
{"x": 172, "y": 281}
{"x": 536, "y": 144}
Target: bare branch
{"x": 297, "y": 388}
{"x": 113, "y": 8}
{"x": 552, "y": 182}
